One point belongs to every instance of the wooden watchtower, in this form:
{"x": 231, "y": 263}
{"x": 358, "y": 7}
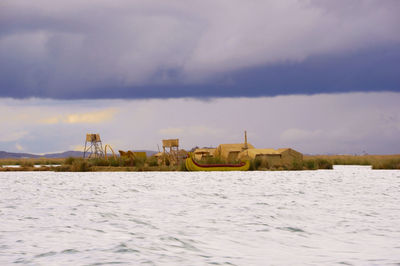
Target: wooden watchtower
{"x": 171, "y": 149}
{"x": 93, "y": 146}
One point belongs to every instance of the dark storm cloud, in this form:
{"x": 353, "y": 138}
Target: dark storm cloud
{"x": 146, "y": 49}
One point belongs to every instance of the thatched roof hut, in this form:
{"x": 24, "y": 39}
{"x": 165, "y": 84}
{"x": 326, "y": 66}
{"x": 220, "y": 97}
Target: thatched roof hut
{"x": 274, "y": 157}
{"x": 231, "y": 152}
{"x": 204, "y": 153}
{"x": 254, "y": 153}
{"x": 289, "y": 155}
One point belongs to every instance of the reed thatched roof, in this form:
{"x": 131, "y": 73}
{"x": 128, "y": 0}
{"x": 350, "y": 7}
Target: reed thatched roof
{"x": 252, "y": 153}
{"x": 205, "y": 151}
{"x": 223, "y": 150}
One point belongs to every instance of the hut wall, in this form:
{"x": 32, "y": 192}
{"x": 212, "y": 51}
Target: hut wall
{"x": 233, "y": 156}
{"x": 290, "y": 155}
{"x": 273, "y": 160}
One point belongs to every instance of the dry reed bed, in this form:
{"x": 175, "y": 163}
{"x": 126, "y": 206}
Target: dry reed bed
{"x": 31, "y": 161}
{"x": 377, "y": 161}
{"x": 150, "y": 164}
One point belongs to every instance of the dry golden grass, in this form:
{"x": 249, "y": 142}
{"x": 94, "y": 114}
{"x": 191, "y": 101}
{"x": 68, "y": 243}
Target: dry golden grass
{"x": 83, "y": 165}
{"x": 31, "y": 161}
{"x": 377, "y": 161}
{"x": 27, "y": 168}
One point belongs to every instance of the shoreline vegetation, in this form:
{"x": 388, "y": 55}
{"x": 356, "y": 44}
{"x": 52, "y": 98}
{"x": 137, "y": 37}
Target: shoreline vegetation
{"x": 309, "y": 162}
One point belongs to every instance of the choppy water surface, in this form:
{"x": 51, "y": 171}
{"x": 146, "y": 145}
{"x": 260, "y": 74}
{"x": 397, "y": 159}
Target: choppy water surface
{"x": 350, "y": 215}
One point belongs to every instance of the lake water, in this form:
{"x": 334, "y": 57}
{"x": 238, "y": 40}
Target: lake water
{"x": 350, "y": 216}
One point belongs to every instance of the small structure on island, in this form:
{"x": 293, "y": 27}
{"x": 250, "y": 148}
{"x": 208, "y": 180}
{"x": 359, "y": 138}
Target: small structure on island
{"x": 133, "y": 157}
{"x": 170, "y": 150}
{"x": 133, "y": 154}
{"x": 230, "y": 152}
{"x": 112, "y": 150}
{"x": 272, "y": 157}
{"x": 93, "y": 146}
{"x": 171, "y": 153}
{"x": 288, "y": 156}
{"x": 204, "y": 153}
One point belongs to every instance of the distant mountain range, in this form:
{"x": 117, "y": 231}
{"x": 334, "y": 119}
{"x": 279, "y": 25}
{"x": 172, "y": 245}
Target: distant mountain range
{"x": 15, "y": 155}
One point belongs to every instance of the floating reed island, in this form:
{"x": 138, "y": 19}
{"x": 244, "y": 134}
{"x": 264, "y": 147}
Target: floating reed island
{"x": 151, "y": 163}
{"x": 226, "y": 157}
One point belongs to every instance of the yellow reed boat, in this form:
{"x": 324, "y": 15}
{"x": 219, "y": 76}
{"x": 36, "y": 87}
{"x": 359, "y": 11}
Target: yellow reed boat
{"x": 192, "y": 165}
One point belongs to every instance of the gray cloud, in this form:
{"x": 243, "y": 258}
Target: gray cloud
{"x": 63, "y": 48}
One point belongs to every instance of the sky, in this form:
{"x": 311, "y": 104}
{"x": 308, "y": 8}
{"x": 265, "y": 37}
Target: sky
{"x": 319, "y": 76}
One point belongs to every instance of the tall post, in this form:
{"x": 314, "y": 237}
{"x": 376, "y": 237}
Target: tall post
{"x": 84, "y": 151}
{"x": 245, "y": 140}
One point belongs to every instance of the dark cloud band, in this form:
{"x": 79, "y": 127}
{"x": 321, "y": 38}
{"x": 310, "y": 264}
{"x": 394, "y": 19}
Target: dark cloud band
{"x": 153, "y": 49}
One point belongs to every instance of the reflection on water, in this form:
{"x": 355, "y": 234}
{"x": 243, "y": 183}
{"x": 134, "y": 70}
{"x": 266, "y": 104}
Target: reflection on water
{"x": 349, "y": 215}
